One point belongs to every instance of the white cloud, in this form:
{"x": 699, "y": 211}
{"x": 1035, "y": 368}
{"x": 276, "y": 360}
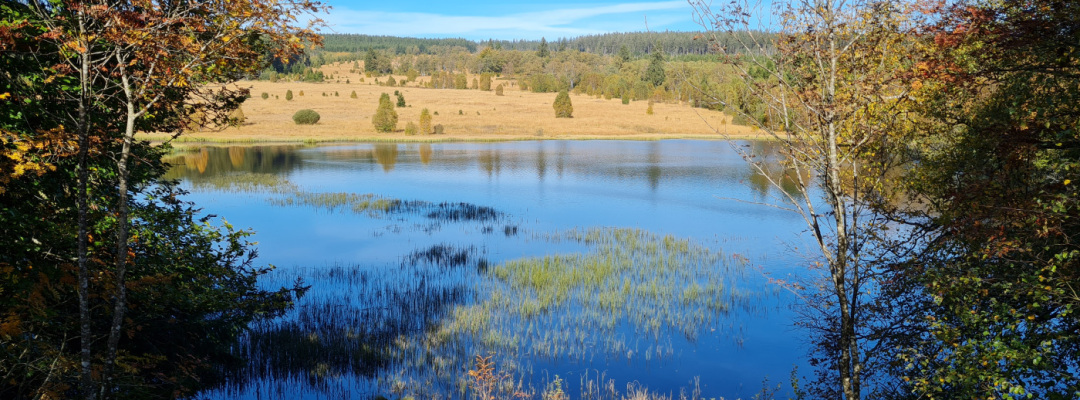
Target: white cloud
{"x": 553, "y": 23}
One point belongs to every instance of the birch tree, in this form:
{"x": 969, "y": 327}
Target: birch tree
{"x": 833, "y": 95}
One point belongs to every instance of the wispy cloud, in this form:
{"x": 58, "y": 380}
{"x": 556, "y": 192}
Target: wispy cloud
{"x": 551, "y": 23}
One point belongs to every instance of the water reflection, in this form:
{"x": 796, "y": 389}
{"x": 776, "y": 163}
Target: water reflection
{"x": 653, "y": 164}
{"x": 497, "y": 264}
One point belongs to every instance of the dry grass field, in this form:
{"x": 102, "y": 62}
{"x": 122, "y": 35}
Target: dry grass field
{"x": 518, "y": 115}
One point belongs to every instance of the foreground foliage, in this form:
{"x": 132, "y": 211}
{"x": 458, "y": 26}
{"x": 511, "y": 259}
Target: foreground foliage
{"x": 111, "y": 285}
{"x": 998, "y": 275}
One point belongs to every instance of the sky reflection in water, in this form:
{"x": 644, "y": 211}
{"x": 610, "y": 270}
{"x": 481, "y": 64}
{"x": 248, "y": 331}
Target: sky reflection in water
{"x": 359, "y": 258}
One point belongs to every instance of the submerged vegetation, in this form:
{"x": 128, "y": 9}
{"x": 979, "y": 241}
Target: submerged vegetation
{"x": 412, "y": 337}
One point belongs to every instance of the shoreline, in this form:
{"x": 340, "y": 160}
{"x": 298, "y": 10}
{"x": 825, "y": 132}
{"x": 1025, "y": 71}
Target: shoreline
{"x": 194, "y": 140}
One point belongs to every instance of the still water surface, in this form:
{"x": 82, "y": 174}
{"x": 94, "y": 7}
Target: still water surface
{"x": 422, "y": 256}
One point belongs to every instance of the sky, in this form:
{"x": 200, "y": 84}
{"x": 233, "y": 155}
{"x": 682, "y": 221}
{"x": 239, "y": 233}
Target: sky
{"x": 482, "y": 20}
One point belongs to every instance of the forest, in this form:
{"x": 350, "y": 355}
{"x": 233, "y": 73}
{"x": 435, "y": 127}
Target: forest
{"x": 681, "y": 67}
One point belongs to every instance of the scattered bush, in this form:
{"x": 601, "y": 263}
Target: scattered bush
{"x": 625, "y": 99}
{"x": 459, "y": 112}
{"x": 391, "y": 81}
{"x": 336, "y": 94}
{"x": 439, "y": 129}
{"x": 236, "y": 117}
{"x": 562, "y": 105}
{"x": 265, "y": 95}
{"x": 436, "y": 113}
{"x": 425, "y": 121}
{"x": 305, "y": 117}
{"x": 400, "y": 100}
{"x": 410, "y": 128}
{"x": 347, "y": 81}
{"x": 499, "y": 90}
{"x": 353, "y": 95}
{"x": 649, "y": 110}
{"x": 301, "y": 93}
{"x": 385, "y": 118}
{"x": 288, "y": 95}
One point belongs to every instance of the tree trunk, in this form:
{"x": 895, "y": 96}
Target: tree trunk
{"x": 86, "y": 383}
{"x": 123, "y": 224}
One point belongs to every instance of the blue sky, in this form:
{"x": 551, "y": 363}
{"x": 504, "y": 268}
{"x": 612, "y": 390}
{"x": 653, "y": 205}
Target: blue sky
{"x": 481, "y": 20}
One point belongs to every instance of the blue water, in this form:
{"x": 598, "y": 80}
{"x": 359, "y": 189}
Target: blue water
{"x": 701, "y": 190}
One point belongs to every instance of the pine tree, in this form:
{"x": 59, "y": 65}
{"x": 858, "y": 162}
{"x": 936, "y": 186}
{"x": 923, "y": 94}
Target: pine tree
{"x": 655, "y": 73}
{"x": 543, "y": 51}
{"x": 385, "y": 118}
{"x": 288, "y": 94}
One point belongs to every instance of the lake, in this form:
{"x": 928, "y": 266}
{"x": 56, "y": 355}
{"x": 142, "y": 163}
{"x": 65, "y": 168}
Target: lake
{"x": 596, "y": 268}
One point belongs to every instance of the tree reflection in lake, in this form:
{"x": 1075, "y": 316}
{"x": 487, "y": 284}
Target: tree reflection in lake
{"x": 396, "y": 310}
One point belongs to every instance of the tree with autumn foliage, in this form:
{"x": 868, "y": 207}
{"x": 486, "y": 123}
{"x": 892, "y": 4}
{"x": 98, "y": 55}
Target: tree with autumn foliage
{"x": 995, "y": 197}
{"x": 99, "y": 72}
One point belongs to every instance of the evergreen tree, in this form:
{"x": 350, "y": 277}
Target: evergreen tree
{"x": 543, "y": 51}
{"x": 288, "y": 94}
{"x": 369, "y": 61}
{"x": 655, "y": 73}
{"x": 563, "y": 108}
{"x": 400, "y": 100}
{"x": 624, "y": 55}
{"x": 385, "y": 118}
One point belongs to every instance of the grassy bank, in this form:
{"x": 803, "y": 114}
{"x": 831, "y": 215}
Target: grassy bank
{"x": 466, "y": 115}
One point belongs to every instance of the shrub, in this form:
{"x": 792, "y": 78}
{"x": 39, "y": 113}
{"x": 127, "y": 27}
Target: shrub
{"x": 385, "y": 118}
{"x": 301, "y": 93}
{"x": 563, "y": 107}
{"x": 435, "y": 113}
{"x": 347, "y": 81}
{"x": 649, "y": 110}
{"x": 336, "y": 94}
{"x": 353, "y": 95}
{"x": 288, "y": 94}
{"x": 305, "y": 117}
{"x": 265, "y": 95}
{"x": 391, "y": 81}
{"x": 625, "y": 98}
{"x": 459, "y": 112}
{"x": 400, "y": 100}
{"x": 485, "y": 81}
{"x": 499, "y": 90}
{"x": 410, "y": 128}
{"x": 236, "y": 117}
{"x": 425, "y": 121}
{"x": 439, "y": 129}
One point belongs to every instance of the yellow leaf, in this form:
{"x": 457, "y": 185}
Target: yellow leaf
{"x": 1067, "y": 182}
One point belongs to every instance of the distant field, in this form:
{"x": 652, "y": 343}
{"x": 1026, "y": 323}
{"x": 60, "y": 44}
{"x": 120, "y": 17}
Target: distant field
{"x": 517, "y": 115}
